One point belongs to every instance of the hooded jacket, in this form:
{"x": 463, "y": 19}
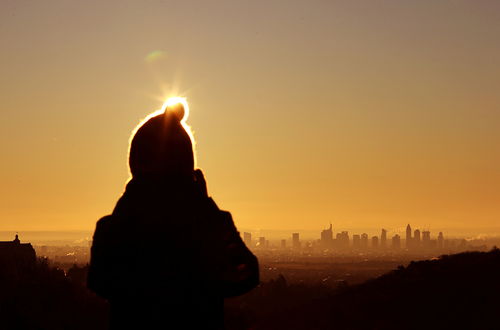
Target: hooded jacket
{"x": 168, "y": 254}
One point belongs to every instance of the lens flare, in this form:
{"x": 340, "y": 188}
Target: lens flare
{"x": 155, "y": 55}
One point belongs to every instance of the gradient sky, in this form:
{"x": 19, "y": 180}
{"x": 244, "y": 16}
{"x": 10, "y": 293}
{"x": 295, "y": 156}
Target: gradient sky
{"x": 360, "y": 113}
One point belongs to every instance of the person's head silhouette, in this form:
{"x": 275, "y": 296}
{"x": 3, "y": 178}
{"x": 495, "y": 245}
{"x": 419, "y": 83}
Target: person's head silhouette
{"x": 161, "y": 146}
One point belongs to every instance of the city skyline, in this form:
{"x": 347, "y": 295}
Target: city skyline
{"x": 414, "y": 240}
{"x": 84, "y": 236}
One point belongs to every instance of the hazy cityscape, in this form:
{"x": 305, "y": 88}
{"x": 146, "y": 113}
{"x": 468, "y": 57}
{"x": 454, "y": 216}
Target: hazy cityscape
{"x": 415, "y": 241}
{"x": 334, "y": 253}
{"x": 333, "y": 258}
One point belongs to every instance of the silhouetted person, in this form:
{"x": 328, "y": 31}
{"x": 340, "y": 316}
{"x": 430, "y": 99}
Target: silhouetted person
{"x": 167, "y": 256}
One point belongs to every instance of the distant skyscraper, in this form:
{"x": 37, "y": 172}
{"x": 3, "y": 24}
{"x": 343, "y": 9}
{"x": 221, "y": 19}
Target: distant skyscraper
{"x": 342, "y": 240}
{"x": 396, "y": 242}
{"x": 374, "y": 242}
{"x": 440, "y": 241}
{"x": 383, "y": 239}
{"x": 416, "y": 238}
{"x": 356, "y": 241}
{"x": 426, "y": 239}
{"x": 364, "y": 241}
{"x": 327, "y": 237}
{"x": 408, "y": 237}
{"x": 295, "y": 241}
{"x": 283, "y": 243}
{"x": 247, "y": 238}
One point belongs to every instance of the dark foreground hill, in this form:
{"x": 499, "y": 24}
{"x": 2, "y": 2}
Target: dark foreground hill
{"x": 459, "y": 291}
{"x": 37, "y": 296}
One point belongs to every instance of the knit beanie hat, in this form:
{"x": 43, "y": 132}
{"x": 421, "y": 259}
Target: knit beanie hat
{"x": 161, "y": 146}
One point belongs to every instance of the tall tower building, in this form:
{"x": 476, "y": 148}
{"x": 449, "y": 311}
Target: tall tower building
{"x": 295, "y": 241}
{"x": 426, "y": 239}
{"x": 408, "y": 237}
{"x": 327, "y": 237}
{"x": 356, "y": 241}
{"x": 440, "y": 240}
{"x": 416, "y": 238}
{"x": 364, "y": 241}
{"x": 374, "y": 242}
{"x": 383, "y": 239}
{"x": 342, "y": 240}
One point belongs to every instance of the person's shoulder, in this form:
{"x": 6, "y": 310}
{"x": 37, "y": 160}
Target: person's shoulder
{"x": 226, "y": 215}
{"x": 226, "y": 220}
{"x": 104, "y": 221}
{"x": 103, "y": 225}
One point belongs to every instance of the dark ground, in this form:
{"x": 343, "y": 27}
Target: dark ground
{"x": 460, "y": 291}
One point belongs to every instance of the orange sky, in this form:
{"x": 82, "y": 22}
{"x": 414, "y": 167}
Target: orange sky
{"x": 305, "y": 112}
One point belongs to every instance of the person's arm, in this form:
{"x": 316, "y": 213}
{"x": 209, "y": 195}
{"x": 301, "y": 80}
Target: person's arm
{"x": 242, "y": 271}
{"x": 234, "y": 265}
{"x": 98, "y": 276}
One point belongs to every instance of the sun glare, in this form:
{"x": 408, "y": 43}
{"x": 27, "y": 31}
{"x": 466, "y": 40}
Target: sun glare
{"x": 177, "y": 100}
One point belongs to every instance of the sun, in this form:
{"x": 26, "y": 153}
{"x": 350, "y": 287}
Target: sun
{"x": 176, "y": 100}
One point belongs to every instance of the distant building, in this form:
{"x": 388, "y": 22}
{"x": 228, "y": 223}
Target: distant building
{"x": 426, "y": 239}
{"x": 416, "y": 239}
{"x": 295, "y": 241}
{"x": 374, "y": 242}
{"x": 383, "y": 239}
{"x": 364, "y": 241}
{"x": 396, "y": 242}
{"x": 17, "y": 253}
{"x": 327, "y": 237}
{"x": 440, "y": 240}
{"x": 247, "y": 238}
{"x": 283, "y": 243}
{"x": 408, "y": 237}
{"x": 356, "y": 241}
{"x": 342, "y": 240}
